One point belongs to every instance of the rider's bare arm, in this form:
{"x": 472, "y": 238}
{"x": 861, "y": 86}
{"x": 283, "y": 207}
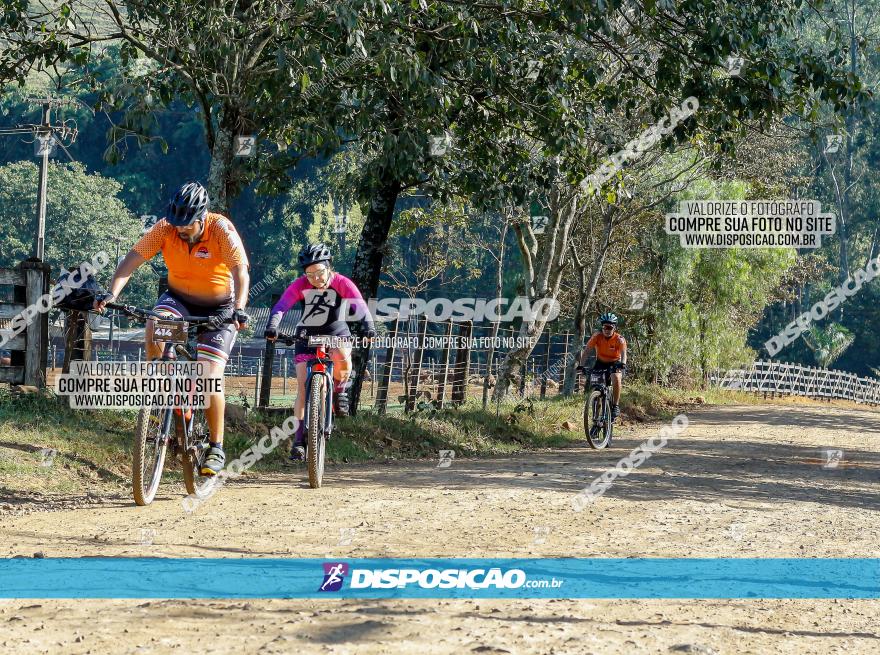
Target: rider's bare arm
{"x": 129, "y": 264}
{"x": 242, "y": 282}
{"x": 584, "y": 355}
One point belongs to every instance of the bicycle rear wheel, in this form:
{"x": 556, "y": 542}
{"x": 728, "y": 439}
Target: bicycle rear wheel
{"x": 148, "y": 458}
{"x": 597, "y": 420}
{"x": 193, "y": 456}
{"x": 315, "y": 430}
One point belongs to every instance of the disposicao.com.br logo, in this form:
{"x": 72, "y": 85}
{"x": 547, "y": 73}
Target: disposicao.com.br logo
{"x": 462, "y": 578}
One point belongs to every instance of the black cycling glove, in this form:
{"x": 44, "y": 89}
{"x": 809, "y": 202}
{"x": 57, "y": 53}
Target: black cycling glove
{"x": 240, "y": 316}
{"x": 221, "y": 317}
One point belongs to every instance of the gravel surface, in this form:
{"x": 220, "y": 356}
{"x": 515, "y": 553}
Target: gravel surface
{"x": 741, "y": 481}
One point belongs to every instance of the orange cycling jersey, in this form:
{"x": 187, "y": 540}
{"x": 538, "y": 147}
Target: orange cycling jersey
{"x": 608, "y": 349}
{"x": 201, "y": 273}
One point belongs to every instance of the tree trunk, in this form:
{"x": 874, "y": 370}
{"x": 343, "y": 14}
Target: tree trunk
{"x": 848, "y": 165}
{"x": 543, "y": 280}
{"x": 499, "y": 289}
{"x": 586, "y": 290}
{"x": 704, "y": 361}
{"x": 220, "y": 173}
{"x": 368, "y": 263}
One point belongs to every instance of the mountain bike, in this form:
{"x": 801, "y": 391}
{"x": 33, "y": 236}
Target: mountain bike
{"x": 319, "y": 401}
{"x": 184, "y": 431}
{"x": 598, "y": 425}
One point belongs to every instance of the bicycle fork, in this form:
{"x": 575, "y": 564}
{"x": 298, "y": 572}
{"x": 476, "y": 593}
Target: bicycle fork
{"x": 324, "y": 369}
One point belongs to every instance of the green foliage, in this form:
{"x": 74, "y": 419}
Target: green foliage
{"x": 702, "y": 302}
{"x": 523, "y": 98}
{"x": 83, "y": 217}
{"x": 828, "y": 343}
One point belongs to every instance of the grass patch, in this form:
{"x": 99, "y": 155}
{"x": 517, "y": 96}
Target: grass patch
{"x": 92, "y": 449}
{"x": 45, "y": 446}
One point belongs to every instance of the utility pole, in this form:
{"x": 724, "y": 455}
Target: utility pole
{"x": 48, "y": 135}
{"x": 113, "y": 311}
{"x": 45, "y": 147}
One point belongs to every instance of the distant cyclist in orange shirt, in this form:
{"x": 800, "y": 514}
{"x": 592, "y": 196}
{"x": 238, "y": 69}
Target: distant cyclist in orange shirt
{"x": 207, "y": 276}
{"x": 610, "y": 347}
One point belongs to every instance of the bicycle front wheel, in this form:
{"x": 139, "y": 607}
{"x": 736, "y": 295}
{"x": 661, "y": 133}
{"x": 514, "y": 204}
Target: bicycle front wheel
{"x": 315, "y": 430}
{"x": 597, "y": 420}
{"x": 150, "y": 444}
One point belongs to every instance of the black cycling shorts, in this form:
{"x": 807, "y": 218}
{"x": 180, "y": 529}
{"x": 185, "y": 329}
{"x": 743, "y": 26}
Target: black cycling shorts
{"x": 604, "y": 366}
{"x": 214, "y": 344}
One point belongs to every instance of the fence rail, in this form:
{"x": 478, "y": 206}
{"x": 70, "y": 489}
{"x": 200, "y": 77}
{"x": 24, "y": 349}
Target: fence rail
{"x": 28, "y": 350}
{"x": 796, "y": 380}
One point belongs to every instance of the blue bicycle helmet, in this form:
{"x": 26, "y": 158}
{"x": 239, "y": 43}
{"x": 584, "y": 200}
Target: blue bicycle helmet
{"x": 189, "y": 204}
{"x": 608, "y": 317}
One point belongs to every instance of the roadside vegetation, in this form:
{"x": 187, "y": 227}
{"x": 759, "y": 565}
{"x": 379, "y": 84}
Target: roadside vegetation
{"x": 48, "y": 448}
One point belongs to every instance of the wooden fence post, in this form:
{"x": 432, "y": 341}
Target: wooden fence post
{"x": 546, "y": 365}
{"x": 257, "y": 379}
{"x": 9, "y": 309}
{"x": 268, "y": 360}
{"x": 266, "y": 374}
{"x": 444, "y": 362}
{"x": 490, "y": 357}
{"x": 462, "y": 363}
{"x": 416, "y": 367}
{"x": 564, "y": 375}
{"x": 29, "y": 349}
{"x": 385, "y": 376}
{"x": 36, "y": 279}
{"x": 77, "y": 339}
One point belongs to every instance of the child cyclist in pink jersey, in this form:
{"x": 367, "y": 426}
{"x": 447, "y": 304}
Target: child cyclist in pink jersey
{"x": 326, "y": 297}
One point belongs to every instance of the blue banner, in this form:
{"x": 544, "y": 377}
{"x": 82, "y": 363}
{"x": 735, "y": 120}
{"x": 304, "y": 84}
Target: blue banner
{"x": 115, "y": 577}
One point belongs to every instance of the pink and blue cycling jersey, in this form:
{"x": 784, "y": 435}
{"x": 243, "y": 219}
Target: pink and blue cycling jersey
{"x": 324, "y": 310}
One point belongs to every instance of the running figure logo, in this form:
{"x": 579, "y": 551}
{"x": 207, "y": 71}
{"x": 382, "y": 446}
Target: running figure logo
{"x": 334, "y": 576}
{"x": 317, "y": 305}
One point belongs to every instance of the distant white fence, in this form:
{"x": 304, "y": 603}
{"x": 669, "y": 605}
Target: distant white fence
{"x": 796, "y": 380}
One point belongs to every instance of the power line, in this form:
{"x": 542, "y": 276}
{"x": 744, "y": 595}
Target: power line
{"x": 44, "y": 132}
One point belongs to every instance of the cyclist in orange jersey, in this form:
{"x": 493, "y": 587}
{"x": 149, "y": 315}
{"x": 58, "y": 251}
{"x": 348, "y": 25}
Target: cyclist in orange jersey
{"x": 207, "y": 276}
{"x": 610, "y": 347}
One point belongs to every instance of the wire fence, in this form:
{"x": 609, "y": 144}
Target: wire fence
{"x": 467, "y": 368}
{"x": 442, "y": 362}
{"x": 796, "y": 380}
{"x": 423, "y": 362}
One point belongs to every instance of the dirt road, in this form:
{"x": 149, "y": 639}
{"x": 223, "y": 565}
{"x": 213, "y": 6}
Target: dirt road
{"x": 743, "y": 481}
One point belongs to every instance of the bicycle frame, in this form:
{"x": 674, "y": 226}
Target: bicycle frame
{"x": 602, "y": 386}
{"x": 166, "y": 425}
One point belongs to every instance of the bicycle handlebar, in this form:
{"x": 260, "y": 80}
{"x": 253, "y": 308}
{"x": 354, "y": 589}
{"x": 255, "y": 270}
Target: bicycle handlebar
{"x": 291, "y": 339}
{"x": 288, "y": 339}
{"x": 144, "y": 314}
